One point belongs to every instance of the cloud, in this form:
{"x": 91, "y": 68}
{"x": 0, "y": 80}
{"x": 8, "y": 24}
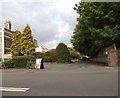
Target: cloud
{"x": 51, "y": 21}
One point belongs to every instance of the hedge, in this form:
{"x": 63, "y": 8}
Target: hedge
{"x": 8, "y": 64}
{"x": 20, "y": 61}
{"x": 48, "y": 59}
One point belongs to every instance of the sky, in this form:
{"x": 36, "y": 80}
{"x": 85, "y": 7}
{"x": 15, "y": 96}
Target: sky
{"x": 51, "y": 21}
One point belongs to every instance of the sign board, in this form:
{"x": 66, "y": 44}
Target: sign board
{"x": 7, "y": 56}
{"x": 38, "y": 62}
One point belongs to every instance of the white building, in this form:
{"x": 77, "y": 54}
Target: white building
{"x": 41, "y": 49}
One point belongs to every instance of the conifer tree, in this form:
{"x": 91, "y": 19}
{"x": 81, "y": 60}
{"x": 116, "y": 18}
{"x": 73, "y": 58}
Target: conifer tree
{"x": 15, "y": 46}
{"x": 27, "y": 42}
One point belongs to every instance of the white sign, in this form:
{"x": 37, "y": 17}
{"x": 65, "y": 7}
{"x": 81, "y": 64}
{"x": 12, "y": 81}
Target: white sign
{"x": 7, "y": 56}
{"x": 38, "y": 62}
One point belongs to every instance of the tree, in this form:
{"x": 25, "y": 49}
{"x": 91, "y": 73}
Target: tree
{"x": 15, "y": 46}
{"x": 63, "y": 54}
{"x": 98, "y": 26}
{"x": 74, "y": 54}
{"x": 27, "y": 42}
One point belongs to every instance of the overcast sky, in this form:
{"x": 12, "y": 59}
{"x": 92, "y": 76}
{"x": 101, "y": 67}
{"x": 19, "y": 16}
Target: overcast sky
{"x": 51, "y": 21}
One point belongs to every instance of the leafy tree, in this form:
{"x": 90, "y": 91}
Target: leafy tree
{"x": 63, "y": 54}
{"x": 98, "y": 26}
{"x": 74, "y": 54}
{"x": 27, "y": 42}
{"x": 15, "y": 46}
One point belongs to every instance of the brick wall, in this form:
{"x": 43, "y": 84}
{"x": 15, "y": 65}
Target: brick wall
{"x": 112, "y": 58}
{"x": 119, "y": 58}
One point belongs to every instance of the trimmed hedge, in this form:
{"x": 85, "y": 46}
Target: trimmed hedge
{"x": 39, "y": 55}
{"x": 48, "y": 59}
{"x": 24, "y": 61}
{"x": 8, "y": 64}
{"x": 49, "y": 56}
{"x": 27, "y": 61}
{"x": 20, "y": 61}
{"x": 31, "y": 60}
{"x": 63, "y": 54}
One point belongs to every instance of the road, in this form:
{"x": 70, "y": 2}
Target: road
{"x": 75, "y": 79}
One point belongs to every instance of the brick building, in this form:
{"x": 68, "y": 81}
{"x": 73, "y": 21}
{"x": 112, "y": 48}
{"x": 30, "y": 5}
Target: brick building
{"x": 5, "y": 39}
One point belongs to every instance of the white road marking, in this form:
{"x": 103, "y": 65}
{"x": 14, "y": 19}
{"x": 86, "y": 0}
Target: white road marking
{"x": 12, "y": 89}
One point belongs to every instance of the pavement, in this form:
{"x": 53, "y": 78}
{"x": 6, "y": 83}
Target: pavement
{"x": 75, "y": 79}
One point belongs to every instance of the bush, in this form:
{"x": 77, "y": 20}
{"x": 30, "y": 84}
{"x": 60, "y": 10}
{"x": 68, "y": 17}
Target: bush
{"x": 53, "y": 55}
{"x": 49, "y": 56}
{"x": 20, "y": 61}
{"x": 63, "y": 54}
{"x": 8, "y": 63}
{"x": 39, "y": 55}
{"x": 48, "y": 59}
{"x": 31, "y": 60}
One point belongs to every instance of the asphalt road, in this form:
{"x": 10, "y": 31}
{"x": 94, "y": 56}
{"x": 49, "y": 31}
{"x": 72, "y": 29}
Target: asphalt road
{"x": 74, "y": 79}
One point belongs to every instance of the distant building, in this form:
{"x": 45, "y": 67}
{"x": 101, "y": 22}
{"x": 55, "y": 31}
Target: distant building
{"x": 35, "y": 42}
{"x": 45, "y": 49}
{"x": 38, "y": 49}
{"x": 5, "y": 39}
{"x": 41, "y": 49}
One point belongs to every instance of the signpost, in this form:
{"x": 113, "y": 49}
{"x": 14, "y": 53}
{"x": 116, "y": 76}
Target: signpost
{"x": 38, "y": 62}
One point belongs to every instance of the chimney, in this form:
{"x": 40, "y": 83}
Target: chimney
{"x": 7, "y": 25}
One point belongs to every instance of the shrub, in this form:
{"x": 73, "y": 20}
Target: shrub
{"x": 48, "y": 59}
{"x": 8, "y": 63}
{"x": 53, "y": 55}
{"x": 27, "y": 61}
{"x": 20, "y": 61}
{"x": 63, "y": 54}
{"x": 39, "y": 55}
{"x": 74, "y": 54}
{"x": 50, "y": 56}
{"x": 31, "y": 60}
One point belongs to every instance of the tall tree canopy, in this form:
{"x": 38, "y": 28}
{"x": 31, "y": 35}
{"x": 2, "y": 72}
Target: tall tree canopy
{"x": 15, "y": 46}
{"x": 98, "y": 26}
{"x": 27, "y": 43}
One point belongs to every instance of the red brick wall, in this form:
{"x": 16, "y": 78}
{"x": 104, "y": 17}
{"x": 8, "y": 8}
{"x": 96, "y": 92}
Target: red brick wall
{"x": 113, "y": 58}
{"x": 119, "y": 58}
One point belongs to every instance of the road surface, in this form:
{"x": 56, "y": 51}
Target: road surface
{"x": 75, "y": 79}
